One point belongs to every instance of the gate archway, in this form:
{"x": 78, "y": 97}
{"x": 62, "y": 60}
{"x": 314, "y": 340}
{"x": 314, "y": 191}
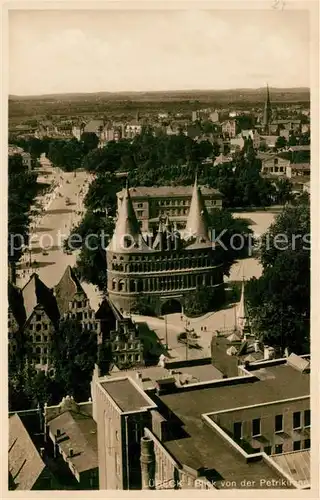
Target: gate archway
{"x": 171, "y": 306}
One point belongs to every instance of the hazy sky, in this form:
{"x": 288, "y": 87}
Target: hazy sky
{"x": 91, "y": 51}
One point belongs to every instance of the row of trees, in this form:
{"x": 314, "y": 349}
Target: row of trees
{"x": 279, "y": 301}
{"x": 22, "y": 190}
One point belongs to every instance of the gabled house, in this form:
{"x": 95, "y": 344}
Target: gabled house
{"x": 72, "y": 301}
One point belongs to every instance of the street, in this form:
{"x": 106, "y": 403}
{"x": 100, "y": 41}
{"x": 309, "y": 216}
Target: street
{"x": 50, "y": 229}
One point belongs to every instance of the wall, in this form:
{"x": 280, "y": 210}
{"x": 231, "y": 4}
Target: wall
{"x": 110, "y": 442}
{"x": 267, "y": 415}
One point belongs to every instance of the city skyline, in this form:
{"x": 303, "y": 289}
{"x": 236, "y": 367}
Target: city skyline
{"x": 57, "y": 52}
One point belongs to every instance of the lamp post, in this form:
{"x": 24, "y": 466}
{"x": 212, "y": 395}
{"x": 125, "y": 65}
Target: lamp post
{"x": 166, "y": 327}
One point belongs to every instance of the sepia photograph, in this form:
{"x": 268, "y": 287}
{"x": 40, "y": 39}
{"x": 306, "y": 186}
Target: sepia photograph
{"x": 159, "y": 248}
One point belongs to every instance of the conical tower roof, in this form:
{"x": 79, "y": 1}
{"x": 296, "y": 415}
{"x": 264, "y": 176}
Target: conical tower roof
{"x": 127, "y": 236}
{"x": 197, "y": 223}
{"x": 242, "y": 317}
{"x": 267, "y": 110}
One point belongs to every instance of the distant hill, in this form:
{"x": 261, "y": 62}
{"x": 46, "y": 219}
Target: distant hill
{"x": 276, "y": 94}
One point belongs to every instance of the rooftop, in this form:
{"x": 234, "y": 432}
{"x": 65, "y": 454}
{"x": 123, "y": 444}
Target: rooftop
{"x": 271, "y": 383}
{"x": 305, "y": 147}
{"x": 79, "y": 432}
{"x": 66, "y": 289}
{"x": 25, "y": 463}
{"x": 165, "y": 191}
{"x": 200, "y": 370}
{"x": 276, "y": 382}
{"x": 126, "y": 395}
{"x": 34, "y": 293}
{"x": 296, "y": 464}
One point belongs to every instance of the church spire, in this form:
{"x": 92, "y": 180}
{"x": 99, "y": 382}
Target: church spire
{"x": 267, "y": 112}
{"x": 197, "y": 222}
{"x": 241, "y": 313}
{"x": 127, "y": 235}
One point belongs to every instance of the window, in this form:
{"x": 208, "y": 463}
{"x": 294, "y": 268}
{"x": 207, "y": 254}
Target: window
{"x": 45, "y": 326}
{"x": 38, "y": 317}
{"x": 38, "y": 338}
{"x": 38, "y": 327}
{"x": 140, "y": 213}
{"x": 307, "y": 418}
{"x": 79, "y": 303}
{"x": 297, "y": 420}
{"x": 278, "y": 424}
{"x": 296, "y": 445}
{"x": 307, "y": 443}
{"x": 237, "y": 430}
{"x": 256, "y": 427}
{"x": 45, "y": 338}
{"x": 267, "y": 450}
{"x": 140, "y": 205}
{"x": 278, "y": 448}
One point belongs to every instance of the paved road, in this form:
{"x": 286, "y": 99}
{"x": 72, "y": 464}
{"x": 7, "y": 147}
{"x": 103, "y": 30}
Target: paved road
{"x": 59, "y": 218}
{"x": 50, "y": 230}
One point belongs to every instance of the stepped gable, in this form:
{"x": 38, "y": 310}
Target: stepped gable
{"x": 127, "y": 237}
{"x": 35, "y": 293}
{"x": 68, "y": 287}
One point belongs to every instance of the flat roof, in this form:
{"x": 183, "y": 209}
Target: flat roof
{"x": 149, "y": 375}
{"x": 225, "y": 466}
{"x": 278, "y": 382}
{"x": 125, "y": 394}
{"x": 204, "y": 447}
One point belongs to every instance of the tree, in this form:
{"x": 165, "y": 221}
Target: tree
{"x": 95, "y": 231}
{"x": 203, "y": 300}
{"x": 283, "y": 191}
{"x": 279, "y": 301}
{"x": 233, "y": 233}
{"x": 73, "y": 354}
{"x": 90, "y": 141}
{"x": 281, "y": 142}
{"x": 22, "y": 190}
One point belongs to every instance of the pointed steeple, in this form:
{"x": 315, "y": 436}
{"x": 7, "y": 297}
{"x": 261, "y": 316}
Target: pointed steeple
{"x": 267, "y": 112}
{"x": 197, "y": 222}
{"x": 127, "y": 235}
{"x": 242, "y": 317}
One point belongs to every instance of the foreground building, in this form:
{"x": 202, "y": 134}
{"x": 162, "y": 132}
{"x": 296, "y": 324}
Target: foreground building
{"x": 35, "y": 312}
{"x": 157, "y": 430}
{"x": 163, "y": 267}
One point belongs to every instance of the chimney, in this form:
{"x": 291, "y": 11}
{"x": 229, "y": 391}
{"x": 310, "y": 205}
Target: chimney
{"x": 58, "y": 433}
{"x": 139, "y": 375}
{"x": 42, "y": 452}
{"x": 70, "y": 452}
{"x": 148, "y": 463}
{"x": 256, "y": 345}
{"x": 266, "y": 352}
